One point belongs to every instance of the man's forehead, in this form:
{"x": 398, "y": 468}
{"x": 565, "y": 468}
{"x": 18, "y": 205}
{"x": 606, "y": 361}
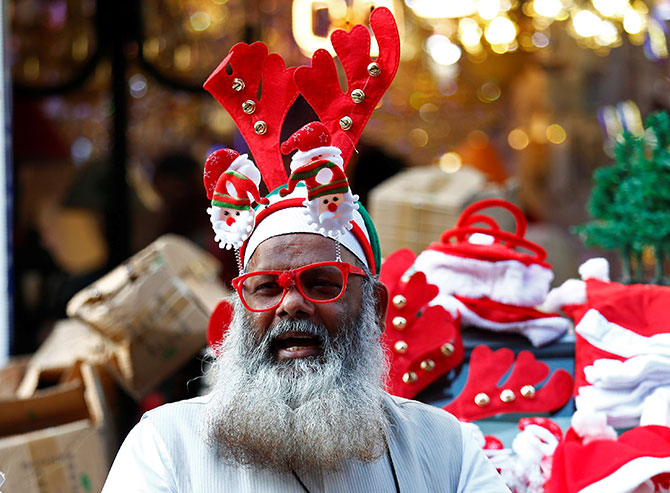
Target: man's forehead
{"x": 295, "y": 249}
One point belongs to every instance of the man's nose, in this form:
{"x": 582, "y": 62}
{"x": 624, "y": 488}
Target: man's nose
{"x": 295, "y": 305}
{"x": 332, "y": 207}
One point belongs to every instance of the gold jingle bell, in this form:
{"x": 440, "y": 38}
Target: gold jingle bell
{"x": 399, "y": 301}
{"x": 409, "y": 377}
{"x": 374, "y": 69}
{"x": 507, "y": 395}
{"x": 249, "y": 107}
{"x": 399, "y": 323}
{"x": 447, "y": 349}
{"x": 528, "y": 391}
{"x": 357, "y": 96}
{"x": 482, "y": 399}
{"x": 400, "y": 347}
{"x": 238, "y": 84}
{"x": 260, "y": 127}
{"x": 428, "y": 365}
{"x": 346, "y": 123}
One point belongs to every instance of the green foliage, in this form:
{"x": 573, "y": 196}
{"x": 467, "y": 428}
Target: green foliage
{"x": 630, "y": 200}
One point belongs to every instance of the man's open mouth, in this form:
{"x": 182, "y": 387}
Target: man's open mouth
{"x": 295, "y": 344}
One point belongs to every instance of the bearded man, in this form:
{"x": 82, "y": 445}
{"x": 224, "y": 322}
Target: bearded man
{"x": 298, "y": 400}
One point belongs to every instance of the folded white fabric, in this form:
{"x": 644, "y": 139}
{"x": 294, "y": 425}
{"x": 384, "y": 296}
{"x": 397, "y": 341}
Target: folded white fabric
{"x": 615, "y": 374}
{"x": 508, "y": 281}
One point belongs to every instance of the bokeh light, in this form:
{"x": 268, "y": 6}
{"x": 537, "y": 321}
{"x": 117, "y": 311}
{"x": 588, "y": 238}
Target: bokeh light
{"x": 450, "y": 162}
{"x": 518, "y": 139}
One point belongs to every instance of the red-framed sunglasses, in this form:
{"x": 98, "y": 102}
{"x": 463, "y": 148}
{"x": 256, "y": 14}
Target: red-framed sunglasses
{"x": 322, "y": 282}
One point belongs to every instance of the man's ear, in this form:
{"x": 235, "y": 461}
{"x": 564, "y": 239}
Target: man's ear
{"x": 381, "y": 304}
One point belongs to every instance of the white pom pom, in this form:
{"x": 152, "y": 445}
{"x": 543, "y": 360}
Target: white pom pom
{"x": 481, "y": 239}
{"x": 591, "y": 425}
{"x": 595, "y": 268}
{"x": 571, "y": 292}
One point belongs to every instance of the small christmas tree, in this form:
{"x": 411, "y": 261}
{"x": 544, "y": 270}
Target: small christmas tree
{"x": 630, "y": 200}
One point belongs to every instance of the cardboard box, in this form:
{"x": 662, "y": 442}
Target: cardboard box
{"x": 56, "y": 440}
{"x": 69, "y": 341}
{"x": 155, "y": 307}
{"x": 414, "y": 207}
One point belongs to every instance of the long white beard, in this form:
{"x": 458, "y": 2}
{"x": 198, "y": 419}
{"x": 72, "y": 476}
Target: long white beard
{"x": 304, "y": 413}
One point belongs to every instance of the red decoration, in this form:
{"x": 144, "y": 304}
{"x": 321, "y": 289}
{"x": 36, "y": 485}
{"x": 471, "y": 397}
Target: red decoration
{"x": 545, "y": 423}
{"x": 502, "y": 313}
{"x": 505, "y": 244}
{"x": 482, "y": 397}
{"x": 423, "y": 342}
{"x": 311, "y": 136}
{"x": 250, "y": 64}
{"x": 640, "y": 308}
{"x": 320, "y": 86}
{"x": 644, "y": 450}
{"x": 218, "y": 324}
{"x": 395, "y": 265}
{"x": 492, "y": 443}
{"x": 217, "y": 163}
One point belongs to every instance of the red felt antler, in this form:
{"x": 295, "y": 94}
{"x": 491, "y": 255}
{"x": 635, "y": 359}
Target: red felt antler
{"x": 394, "y": 266}
{"x": 258, "y": 119}
{"x": 423, "y": 342}
{"x": 345, "y": 114}
{"x": 483, "y": 397}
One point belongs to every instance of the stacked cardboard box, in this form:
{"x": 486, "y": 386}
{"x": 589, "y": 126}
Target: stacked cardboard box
{"x": 133, "y": 328}
{"x": 57, "y": 438}
{"x": 154, "y": 308}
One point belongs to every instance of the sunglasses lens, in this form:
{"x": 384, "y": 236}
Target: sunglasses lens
{"x": 262, "y": 291}
{"x": 322, "y": 283}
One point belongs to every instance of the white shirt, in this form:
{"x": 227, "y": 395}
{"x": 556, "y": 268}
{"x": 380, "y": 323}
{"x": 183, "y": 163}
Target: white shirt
{"x": 429, "y": 452}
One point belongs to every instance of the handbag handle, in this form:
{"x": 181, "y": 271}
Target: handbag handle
{"x": 464, "y": 227}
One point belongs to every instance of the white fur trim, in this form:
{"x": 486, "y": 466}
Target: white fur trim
{"x": 629, "y": 476}
{"x": 508, "y": 281}
{"x": 481, "y": 239}
{"x": 539, "y": 331}
{"x": 243, "y": 165}
{"x": 534, "y": 443}
{"x": 293, "y": 220}
{"x": 656, "y": 408}
{"x": 571, "y": 292}
{"x": 330, "y": 153}
{"x": 615, "y": 374}
{"x": 610, "y": 337}
{"x": 622, "y": 406}
{"x": 592, "y": 425}
{"x": 595, "y": 268}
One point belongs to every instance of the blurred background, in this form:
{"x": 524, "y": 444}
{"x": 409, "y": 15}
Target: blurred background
{"x": 109, "y": 125}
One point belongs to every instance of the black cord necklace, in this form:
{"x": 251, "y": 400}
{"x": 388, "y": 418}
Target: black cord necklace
{"x": 395, "y": 476}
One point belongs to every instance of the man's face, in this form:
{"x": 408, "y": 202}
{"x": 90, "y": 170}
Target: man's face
{"x": 289, "y": 252}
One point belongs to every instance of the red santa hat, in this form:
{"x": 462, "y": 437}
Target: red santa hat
{"x": 312, "y": 141}
{"x": 639, "y": 456}
{"x": 231, "y": 180}
{"x": 622, "y": 342}
{"x": 493, "y": 285}
{"x": 312, "y": 174}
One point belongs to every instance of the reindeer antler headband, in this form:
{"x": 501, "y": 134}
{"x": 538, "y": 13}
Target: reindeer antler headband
{"x": 323, "y": 148}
